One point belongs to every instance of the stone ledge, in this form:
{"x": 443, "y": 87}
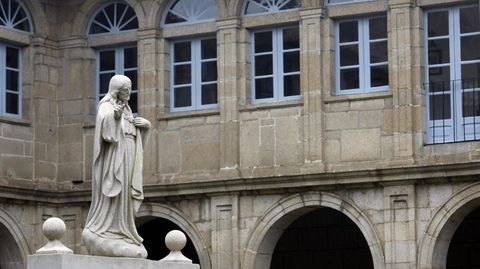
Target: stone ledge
{"x": 73, "y": 261}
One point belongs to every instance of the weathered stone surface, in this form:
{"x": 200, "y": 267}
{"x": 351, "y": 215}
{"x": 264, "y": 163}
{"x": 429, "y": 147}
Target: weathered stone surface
{"x": 360, "y": 145}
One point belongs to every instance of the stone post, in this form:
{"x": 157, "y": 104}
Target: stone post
{"x": 148, "y": 69}
{"x": 311, "y": 83}
{"x": 405, "y": 76}
{"x": 229, "y": 77}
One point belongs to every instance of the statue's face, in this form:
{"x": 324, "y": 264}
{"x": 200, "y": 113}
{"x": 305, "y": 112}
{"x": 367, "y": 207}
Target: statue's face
{"x": 124, "y": 93}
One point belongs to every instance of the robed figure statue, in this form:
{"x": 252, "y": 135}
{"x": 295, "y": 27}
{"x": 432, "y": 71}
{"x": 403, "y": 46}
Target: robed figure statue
{"x": 117, "y": 176}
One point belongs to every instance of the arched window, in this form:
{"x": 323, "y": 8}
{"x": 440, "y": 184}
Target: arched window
{"x": 275, "y": 55}
{"x": 182, "y": 11}
{"x": 113, "y": 18}
{"x": 13, "y": 16}
{"x": 269, "y": 6}
{"x": 193, "y": 64}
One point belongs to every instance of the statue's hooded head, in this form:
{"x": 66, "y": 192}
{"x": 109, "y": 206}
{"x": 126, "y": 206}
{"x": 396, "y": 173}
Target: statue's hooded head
{"x": 117, "y": 82}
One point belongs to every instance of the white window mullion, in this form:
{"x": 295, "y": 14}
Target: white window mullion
{"x": 196, "y": 79}
{"x": 119, "y": 61}
{"x": 2, "y": 79}
{"x": 172, "y": 76}
{"x": 455, "y": 73}
{"x": 278, "y": 71}
{"x": 364, "y": 53}
{"x": 20, "y": 82}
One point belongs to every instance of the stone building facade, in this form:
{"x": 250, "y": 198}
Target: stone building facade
{"x": 372, "y": 125}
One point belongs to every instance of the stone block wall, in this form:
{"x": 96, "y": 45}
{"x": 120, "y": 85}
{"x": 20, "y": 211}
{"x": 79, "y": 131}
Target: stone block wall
{"x": 320, "y": 132}
{"x": 16, "y": 158}
{"x": 190, "y": 148}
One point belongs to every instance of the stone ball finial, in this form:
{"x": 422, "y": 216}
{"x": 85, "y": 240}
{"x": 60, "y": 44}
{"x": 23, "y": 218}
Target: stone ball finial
{"x": 54, "y": 229}
{"x": 175, "y": 241}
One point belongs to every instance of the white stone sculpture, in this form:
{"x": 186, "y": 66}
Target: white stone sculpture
{"x": 175, "y": 241}
{"x": 117, "y": 176}
{"x": 54, "y": 229}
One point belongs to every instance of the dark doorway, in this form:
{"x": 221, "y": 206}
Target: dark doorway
{"x": 10, "y": 255}
{"x": 323, "y": 238}
{"x": 153, "y": 233}
{"x": 464, "y": 248}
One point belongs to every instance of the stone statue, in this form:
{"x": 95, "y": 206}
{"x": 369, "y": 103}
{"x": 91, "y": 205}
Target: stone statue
{"x": 117, "y": 176}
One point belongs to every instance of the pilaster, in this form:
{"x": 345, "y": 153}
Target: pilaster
{"x": 229, "y": 77}
{"x": 312, "y": 85}
{"x": 76, "y": 110}
{"x": 45, "y": 80}
{"x": 148, "y": 70}
{"x": 225, "y": 233}
{"x": 399, "y": 218}
{"x": 405, "y": 67}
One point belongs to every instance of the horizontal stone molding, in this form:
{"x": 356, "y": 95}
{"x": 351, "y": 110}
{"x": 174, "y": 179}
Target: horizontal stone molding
{"x": 52, "y": 192}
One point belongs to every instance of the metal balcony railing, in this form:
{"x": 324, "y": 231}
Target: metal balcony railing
{"x": 453, "y": 111}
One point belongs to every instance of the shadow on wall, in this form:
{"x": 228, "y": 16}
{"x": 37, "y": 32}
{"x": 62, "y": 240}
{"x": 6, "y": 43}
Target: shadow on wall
{"x": 153, "y": 233}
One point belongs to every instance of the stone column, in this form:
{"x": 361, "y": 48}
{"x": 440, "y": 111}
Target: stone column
{"x": 311, "y": 85}
{"x": 405, "y": 76}
{"x": 148, "y": 69}
{"x": 229, "y": 76}
{"x": 399, "y": 216}
{"x": 225, "y": 234}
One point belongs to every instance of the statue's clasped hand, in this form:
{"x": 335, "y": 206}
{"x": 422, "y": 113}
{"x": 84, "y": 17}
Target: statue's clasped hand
{"x": 141, "y": 122}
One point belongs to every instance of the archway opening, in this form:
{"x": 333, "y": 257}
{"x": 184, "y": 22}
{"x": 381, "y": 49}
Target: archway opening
{"x": 153, "y": 232}
{"x": 323, "y": 238}
{"x": 464, "y": 247}
{"x": 10, "y": 254}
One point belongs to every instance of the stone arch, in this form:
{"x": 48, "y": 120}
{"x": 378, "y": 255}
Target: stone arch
{"x": 37, "y": 17}
{"x": 433, "y": 248}
{"x": 270, "y": 226}
{"x": 235, "y": 8}
{"x": 89, "y": 7}
{"x": 155, "y": 13}
{"x": 177, "y": 217}
{"x": 10, "y": 228}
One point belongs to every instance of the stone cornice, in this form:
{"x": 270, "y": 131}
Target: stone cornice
{"x": 58, "y": 194}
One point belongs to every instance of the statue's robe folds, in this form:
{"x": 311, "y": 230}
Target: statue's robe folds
{"x": 117, "y": 186}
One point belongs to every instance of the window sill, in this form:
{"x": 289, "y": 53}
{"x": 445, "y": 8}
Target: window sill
{"x": 273, "y": 105}
{"x": 357, "y": 97}
{"x": 189, "y": 114}
{"x": 15, "y": 121}
{"x": 446, "y": 143}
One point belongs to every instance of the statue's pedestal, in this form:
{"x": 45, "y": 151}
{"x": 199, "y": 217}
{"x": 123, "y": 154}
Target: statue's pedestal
{"x": 73, "y": 261}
